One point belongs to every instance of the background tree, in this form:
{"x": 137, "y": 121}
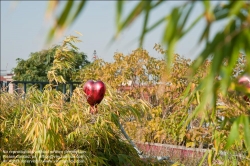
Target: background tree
{"x": 36, "y": 67}
{"x": 137, "y": 71}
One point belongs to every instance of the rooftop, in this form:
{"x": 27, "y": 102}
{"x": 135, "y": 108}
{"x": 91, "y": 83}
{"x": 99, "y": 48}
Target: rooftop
{"x": 5, "y": 72}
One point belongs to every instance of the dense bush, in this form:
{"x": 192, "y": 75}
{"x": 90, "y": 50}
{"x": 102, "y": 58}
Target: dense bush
{"x": 43, "y": 121}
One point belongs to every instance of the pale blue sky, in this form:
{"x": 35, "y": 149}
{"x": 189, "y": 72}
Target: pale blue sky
{"x": 24, "y": 28}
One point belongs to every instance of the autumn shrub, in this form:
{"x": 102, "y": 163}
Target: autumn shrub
{"x": 45, "y": 122}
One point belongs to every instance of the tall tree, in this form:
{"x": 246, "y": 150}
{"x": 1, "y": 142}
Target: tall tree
{"x": 37, "y": 66}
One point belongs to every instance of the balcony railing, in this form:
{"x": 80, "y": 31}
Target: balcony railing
{"x": 17, "y": 85}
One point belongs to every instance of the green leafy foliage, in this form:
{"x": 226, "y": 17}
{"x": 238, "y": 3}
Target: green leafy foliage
{"x": 66, "y": 17}
{"x": 39, "y": 64}
{"x": 67, "y": 61}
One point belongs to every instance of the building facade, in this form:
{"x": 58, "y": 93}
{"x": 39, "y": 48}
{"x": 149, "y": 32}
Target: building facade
{"x": 5, "y": 78}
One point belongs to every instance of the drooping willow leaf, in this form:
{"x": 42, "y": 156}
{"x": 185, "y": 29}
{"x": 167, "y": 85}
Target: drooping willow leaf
{"x": 67, "y": 17}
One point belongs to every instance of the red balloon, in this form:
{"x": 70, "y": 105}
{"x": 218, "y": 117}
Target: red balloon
{"x": 94, "y": 91}
{"x": 245, "y": 80}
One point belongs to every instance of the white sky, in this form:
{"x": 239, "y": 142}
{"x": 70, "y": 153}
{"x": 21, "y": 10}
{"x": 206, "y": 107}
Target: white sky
{"x": 24, "y": 29}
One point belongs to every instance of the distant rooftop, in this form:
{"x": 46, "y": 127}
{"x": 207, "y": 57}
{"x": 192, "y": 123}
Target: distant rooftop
{"x": 5, "y": 72}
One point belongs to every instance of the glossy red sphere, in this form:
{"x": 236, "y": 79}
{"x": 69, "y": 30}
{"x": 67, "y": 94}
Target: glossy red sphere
{"x": 94, "y": 91}
{"x": 245, "y": 80}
